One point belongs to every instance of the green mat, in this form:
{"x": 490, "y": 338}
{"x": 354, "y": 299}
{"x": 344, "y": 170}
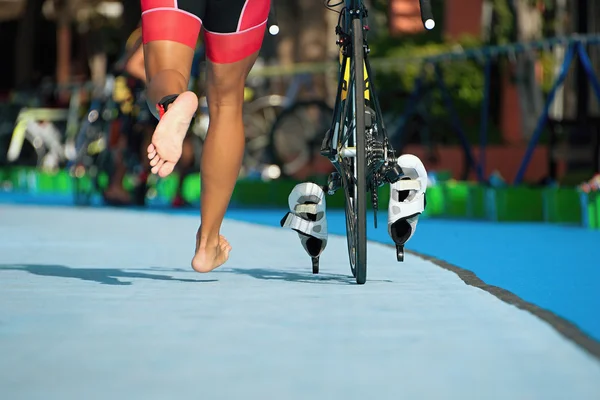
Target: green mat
{"x": 447, "y": 199}
{"x": 590, "y": 204}
{"x": 561, "y": 205}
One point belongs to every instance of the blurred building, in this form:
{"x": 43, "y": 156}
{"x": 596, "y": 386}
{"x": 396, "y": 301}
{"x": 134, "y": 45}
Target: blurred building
{"x": 459, "y": 17}
{"x": 49, "y": 38}
{"x": 404, "y": 17}
{"x": 11, "y": 9}
{"x": 575, "y": 105}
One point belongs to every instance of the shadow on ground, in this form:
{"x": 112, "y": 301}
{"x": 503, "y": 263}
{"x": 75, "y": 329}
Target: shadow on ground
{"x": 105, "y": 276}
{"x": 270, "y": 274}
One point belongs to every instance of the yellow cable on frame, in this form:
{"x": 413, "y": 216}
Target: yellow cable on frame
{"x": 347, "y": 78}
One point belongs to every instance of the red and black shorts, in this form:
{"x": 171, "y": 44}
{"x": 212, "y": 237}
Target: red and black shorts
{"x": 233, "y": 29}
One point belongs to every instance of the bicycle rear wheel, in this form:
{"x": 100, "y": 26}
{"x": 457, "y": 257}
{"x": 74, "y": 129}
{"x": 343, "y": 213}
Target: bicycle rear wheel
{"x": 355, "y": 185}
{"x": 296, "y": 136}
{"x": 259, "y": 117}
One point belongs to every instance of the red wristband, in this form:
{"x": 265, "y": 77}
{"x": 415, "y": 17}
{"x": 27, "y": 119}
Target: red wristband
{"x": 164, "y": 103}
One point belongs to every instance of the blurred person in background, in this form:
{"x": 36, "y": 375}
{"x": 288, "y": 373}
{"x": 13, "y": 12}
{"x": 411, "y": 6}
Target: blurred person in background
{"x": 129, "y": 84}
{"x": 134, "y": 128}
{"x": 233, "y": 35}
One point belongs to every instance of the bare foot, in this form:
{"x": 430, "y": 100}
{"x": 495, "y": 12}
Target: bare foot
{"x": 210, "y": 257}
{"x": 167, "y": 140}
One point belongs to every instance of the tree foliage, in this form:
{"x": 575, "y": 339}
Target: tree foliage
{"x": 464, "y": 79}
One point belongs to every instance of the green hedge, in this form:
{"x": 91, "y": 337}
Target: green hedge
{"x": 447, "y": 199}
{"x": 464, "y": 78}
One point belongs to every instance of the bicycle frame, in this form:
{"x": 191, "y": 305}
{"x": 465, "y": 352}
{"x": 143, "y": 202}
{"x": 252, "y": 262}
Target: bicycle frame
{"x": 340, "y": 109}
{"x": 362, "y": 156}
{"x": 335, "y": 147}
{"x": 354, "y": 4}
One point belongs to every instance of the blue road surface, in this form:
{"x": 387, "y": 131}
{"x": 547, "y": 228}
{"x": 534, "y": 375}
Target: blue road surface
{"x": 552, "y": 266}
{"x": 102, "y": 304}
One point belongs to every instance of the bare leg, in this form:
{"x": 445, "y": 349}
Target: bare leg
{"x": 115, "y": 193}
{"x": 168, "y": 67}
{"x": 222, "y": 157}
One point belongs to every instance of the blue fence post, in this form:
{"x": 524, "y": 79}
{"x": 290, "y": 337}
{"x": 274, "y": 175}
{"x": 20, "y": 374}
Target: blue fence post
{"x": 564, "y": 69}
{"x": 485, "y": 112}
{"x": 589, "y": 70}
{"x": 457, "y": 124}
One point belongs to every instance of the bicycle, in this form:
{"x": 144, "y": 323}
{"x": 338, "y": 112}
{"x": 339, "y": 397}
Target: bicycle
{"x": 295, "y": 137}
{"x": 261, "y": 114}
{"x": 94, "y": 142}
{"x": 356, "y": 143}
{"x": 45, "y": 130}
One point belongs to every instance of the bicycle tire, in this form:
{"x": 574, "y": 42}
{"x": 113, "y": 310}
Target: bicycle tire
{"x": 310, "y": 146}
{"x": 259, "y": 117}
{"x": 82, "y": 193}
{"x": 356, "y": 187}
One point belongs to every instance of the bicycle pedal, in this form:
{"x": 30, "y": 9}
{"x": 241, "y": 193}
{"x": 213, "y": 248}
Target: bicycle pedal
{"x": 392, "y": 173}
{"x": 400, "y": 252}
{"x": 334, "y": 182}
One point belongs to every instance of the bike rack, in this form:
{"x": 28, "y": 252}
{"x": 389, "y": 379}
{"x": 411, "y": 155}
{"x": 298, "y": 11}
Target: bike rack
{"x": 485, "y": 114}
{"x": 416, "y": 94}
{"x": 574, "y": 48}
{"x": 457, "y": 124}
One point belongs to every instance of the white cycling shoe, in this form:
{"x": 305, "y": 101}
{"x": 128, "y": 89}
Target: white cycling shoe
{"x": 407, "y": 202}
{"x": 307, "y": 218}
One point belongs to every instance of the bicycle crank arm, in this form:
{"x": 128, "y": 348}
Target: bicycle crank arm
{"x": 375, "y": 202}
{"x": 334, "y": 182}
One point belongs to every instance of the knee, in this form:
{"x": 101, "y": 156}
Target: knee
{"x": 226, "y": 85}
{"x": 228, "y": 95}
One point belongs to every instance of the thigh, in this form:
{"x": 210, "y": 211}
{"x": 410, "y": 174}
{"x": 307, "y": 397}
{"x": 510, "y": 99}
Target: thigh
{"x": 234, "y": 29}
{"x": 172, "y": 20}
{"x": 170, "y": 30}
{"x": 225, "y": 82}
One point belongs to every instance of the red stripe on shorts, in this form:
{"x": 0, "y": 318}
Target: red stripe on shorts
{"x": 254, "y": 13}
{"x": 150, "y": 4}
{"x": 225, "y": 48}
{"x": 170, "y": 24}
